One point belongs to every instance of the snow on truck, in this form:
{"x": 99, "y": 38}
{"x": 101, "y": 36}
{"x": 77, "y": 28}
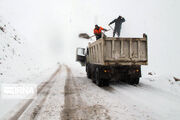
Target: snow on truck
{"x": 112, "y": 59}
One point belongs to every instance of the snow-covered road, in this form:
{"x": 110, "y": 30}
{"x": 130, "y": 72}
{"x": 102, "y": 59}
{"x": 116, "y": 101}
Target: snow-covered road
{"x": 70, "y": 95}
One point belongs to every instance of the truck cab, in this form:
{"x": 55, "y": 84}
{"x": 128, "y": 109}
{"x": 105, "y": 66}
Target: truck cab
{"x": 81, "y": 55}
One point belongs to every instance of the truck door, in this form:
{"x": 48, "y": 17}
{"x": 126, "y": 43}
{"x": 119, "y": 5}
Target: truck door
{"x": 80, "y": 56}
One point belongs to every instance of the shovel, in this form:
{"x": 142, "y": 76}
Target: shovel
{"x": 85, "y": 35}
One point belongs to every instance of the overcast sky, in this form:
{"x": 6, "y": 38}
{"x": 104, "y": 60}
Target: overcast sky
{"x": 51, "y": 27}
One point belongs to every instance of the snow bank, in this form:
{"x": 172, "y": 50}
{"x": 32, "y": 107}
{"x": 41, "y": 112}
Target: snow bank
{"x": 164, "y": 82}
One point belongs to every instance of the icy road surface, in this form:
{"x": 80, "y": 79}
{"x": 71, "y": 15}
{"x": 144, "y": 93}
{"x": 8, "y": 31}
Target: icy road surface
{"x": 70, "y": 95}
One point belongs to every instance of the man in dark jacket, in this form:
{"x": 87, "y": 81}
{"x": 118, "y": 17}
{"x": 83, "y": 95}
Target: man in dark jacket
{"x": 118, "y": 22}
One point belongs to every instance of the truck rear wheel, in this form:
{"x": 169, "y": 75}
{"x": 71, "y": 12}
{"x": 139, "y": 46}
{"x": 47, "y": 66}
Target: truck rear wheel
{"x": 136, "y": 81}
{"x": 88, "y": 74}
{"x": 106, "y": 82}
{"x": 130, "y": 81}
{"x": 88, "y": 71}
{"x": 97, "y": 78}
{"x": 133, "y": 81}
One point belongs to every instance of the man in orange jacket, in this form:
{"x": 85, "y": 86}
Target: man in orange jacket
{"x": 97, "y": 31}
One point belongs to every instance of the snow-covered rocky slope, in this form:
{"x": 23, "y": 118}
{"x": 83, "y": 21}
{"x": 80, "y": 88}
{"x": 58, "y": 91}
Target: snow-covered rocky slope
{"x": 18, "y": 64}
{"x": 16, "y": 59}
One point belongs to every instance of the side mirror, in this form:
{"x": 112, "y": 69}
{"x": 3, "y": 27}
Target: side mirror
{"x": 80, "y": 56}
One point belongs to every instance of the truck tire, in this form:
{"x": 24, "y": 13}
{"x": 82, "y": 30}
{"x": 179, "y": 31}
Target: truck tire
{"x": 88, "y": 71}
{"x": 93, "y": 77}
{"x": 136, "y": 81}
{"x": 130, "y": 81}
{"x": 97, "y": 78}
{"x": 88, "y": 74}
{"x": 133, "y": 81}
{"x": 106, "y": 82}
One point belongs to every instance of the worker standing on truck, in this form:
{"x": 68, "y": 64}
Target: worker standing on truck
{"x": 117, "y": 28}
{"x": 97, "y": 31}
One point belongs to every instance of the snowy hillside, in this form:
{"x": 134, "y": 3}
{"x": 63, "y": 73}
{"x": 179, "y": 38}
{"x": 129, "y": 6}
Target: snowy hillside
{"x": 17, "y": 63}
{"x": 16, "y": 59}
{"x": 11, "y": 58}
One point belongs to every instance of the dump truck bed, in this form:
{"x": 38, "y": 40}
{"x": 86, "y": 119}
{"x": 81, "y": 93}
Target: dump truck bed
{"x": 121, "y": 51}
